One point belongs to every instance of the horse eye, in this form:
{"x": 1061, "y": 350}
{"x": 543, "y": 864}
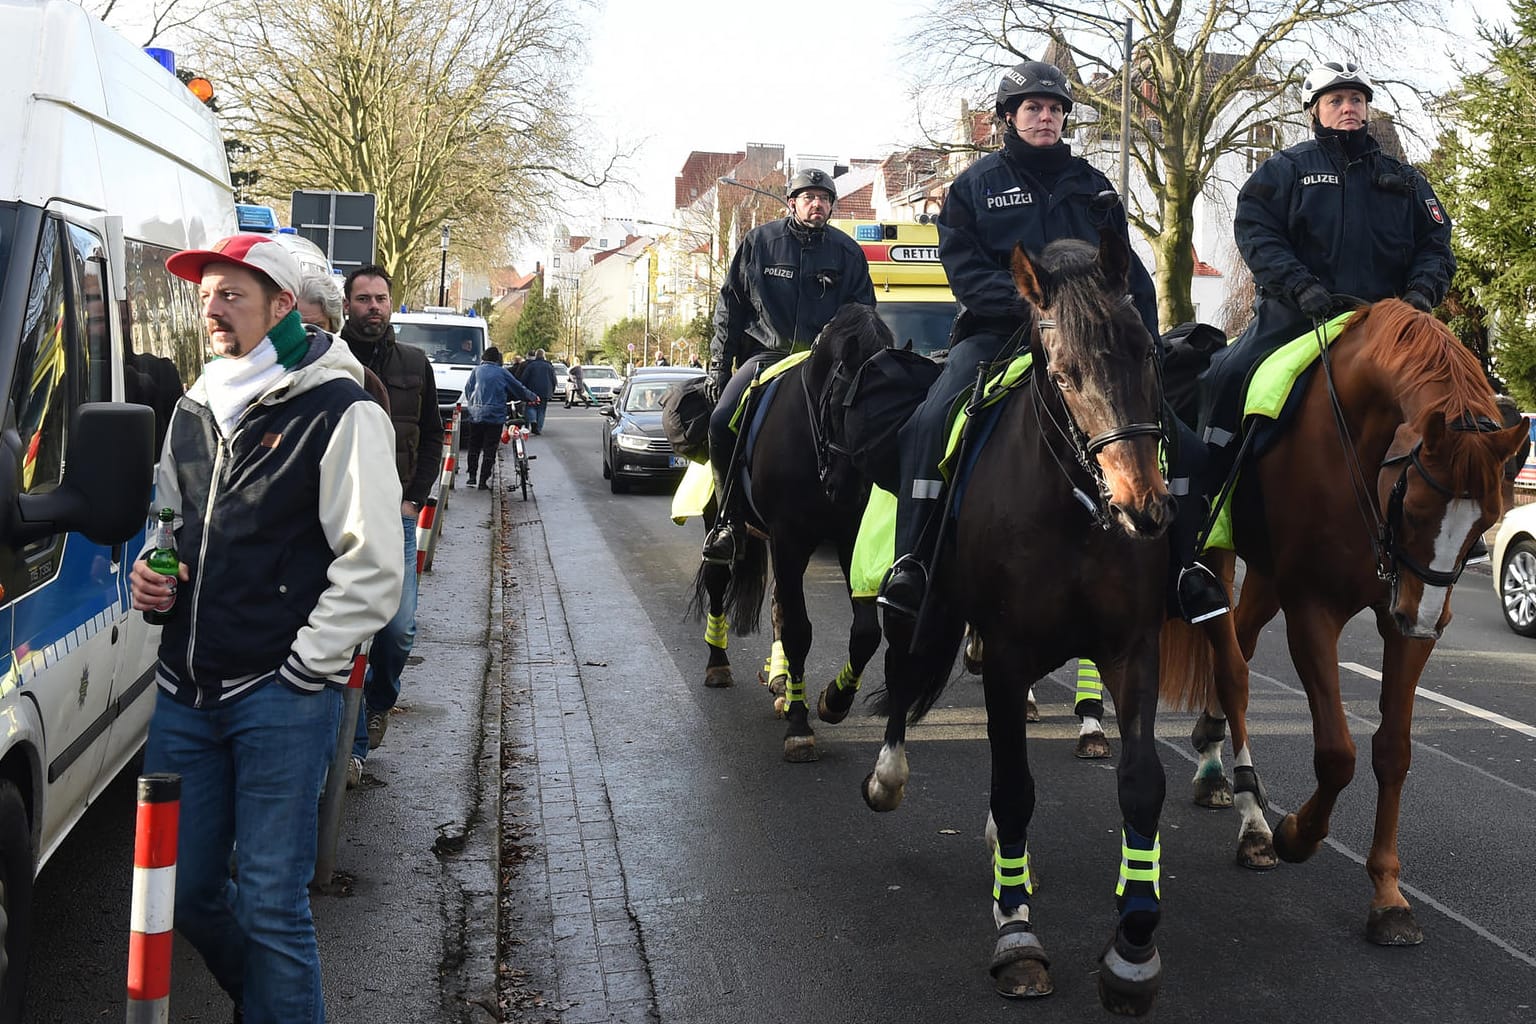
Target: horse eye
{"x": 1061, "y": 380}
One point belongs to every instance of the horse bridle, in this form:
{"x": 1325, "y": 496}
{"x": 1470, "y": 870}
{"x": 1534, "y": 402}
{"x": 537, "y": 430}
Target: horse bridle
{"x": 818, "y": 409}
{"x": 1389, "y": 553}
{"x": 1084, "y": 448}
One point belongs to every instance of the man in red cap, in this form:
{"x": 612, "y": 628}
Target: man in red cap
{"x": 290, "y": 559}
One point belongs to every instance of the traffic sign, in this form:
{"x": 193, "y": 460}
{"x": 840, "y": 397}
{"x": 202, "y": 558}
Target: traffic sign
{"x": 343, "y": 224}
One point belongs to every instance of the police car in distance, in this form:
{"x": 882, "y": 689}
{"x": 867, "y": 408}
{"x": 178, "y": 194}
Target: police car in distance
{"x": 452, "y": 341}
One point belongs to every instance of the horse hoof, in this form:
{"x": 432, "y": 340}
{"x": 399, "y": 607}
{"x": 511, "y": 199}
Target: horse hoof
{"x": 1288, "y": 847}
{"x": 836, "y": 709}
{"x": 1393, "y": 926}
{"x": 1129, "y": 979}
{"x": 1256, "y": 851}
{"x": 775, "y": 685}
{"x": 800, "y": 749}
{"x": 1020, "y": 968}
{"x": 780, "y": 706}
{"x": 1213, "y": 791}
{"x": 718, "y": 677}
{"x": 1031, "y": 710}
{"x": 879, "y": 798}
{"x": 1092, "y": 746}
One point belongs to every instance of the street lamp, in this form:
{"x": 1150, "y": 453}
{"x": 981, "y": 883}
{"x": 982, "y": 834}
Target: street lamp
{"x": 442, "y": 274}
{"x": 1125, "y": 84}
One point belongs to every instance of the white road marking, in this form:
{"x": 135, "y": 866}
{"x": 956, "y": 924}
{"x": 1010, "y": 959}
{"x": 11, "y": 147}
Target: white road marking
{"x": 1451, "y": 702}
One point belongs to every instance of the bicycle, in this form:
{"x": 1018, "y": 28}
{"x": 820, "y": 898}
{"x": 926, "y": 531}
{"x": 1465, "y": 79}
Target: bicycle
{"x": 517, "y": 433}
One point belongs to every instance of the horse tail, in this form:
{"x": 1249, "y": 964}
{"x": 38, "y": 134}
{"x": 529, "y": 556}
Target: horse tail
{"x": 749, "y": 582}
{"x": 1187, "y": 669}
{"x": 928, "y": 670}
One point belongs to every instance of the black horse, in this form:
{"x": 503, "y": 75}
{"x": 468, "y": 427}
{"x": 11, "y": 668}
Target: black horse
{"x": 1067, "y": 490}
{"x": 804, "y": 492}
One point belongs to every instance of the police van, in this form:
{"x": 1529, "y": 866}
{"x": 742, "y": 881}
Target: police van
{"x": 109, "y": 165}
{"x": 912, "y": 293}
{"x": 453, "y": 344}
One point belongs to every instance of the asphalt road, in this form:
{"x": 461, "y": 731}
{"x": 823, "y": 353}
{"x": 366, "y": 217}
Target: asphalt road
{"x": 767, "y": 891}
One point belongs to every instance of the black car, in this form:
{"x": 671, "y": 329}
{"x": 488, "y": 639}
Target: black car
{"x": 634, "y": 446}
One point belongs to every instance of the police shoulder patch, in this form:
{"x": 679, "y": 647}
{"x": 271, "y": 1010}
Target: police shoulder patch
{"x": 1435, "y": 213}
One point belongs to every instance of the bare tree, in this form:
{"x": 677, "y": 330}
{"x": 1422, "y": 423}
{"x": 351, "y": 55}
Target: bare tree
{"x": 448, "y": 110}
{"x": 149, "y": 22}
{"x": 1208, "y": 79}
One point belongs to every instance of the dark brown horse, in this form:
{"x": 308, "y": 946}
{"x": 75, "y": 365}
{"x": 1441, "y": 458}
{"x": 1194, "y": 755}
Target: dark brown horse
{"x": 1067, "y": 490}
{"x": 1370, "y": 500}
{"x": 803, "y": 494}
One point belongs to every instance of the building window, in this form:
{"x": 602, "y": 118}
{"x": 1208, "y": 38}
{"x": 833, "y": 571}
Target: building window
{"x": 1262, "y": 143}
{"x": 557, "y": 262}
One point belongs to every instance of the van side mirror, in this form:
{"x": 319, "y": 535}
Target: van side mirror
{"x": 108, "y": 478}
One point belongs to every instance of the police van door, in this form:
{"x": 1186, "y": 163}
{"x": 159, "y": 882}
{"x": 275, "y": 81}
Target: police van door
{"x": 67, "y": 595}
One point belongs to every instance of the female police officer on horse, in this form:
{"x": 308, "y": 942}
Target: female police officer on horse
{"x": 1032, "y": 192}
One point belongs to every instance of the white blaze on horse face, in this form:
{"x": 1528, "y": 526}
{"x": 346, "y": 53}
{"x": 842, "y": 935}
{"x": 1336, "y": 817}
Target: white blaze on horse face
{"x": 1461, "y": 516}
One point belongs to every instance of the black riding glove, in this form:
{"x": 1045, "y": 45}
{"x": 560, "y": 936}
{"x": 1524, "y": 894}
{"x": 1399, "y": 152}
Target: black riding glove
{"x": 1418, "y": 300}
{"x": 716, "y": 386}
{"x": 1315, "y": 301}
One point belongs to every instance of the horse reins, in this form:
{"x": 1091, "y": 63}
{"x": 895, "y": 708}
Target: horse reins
{"x": 1389, "y": 553}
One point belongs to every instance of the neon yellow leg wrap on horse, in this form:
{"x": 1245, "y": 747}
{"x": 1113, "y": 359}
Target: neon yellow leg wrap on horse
{"x": 1012, "y": 885}
{"x": 1141, "y": 865}
{"x": 714, "y": 631}
{"x": 777, "y": 664}
{"x": 1089, "y": 685}
{"x": 847, "y": 678}
{"x": 794, "y": 690}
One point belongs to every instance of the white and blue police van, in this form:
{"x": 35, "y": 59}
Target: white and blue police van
{"x": 108, "y": 165}
{"x": 452, "y": 341}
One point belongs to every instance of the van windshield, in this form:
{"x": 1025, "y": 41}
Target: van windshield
{"x": 443, "y": 343}
{"x": 7, "y": 236}
{"x": 925, "y": 324}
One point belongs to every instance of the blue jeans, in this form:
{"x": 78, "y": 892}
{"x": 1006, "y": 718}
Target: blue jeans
{"x": 251, "y": 774}
{"x": 391, "y": 646}
{"x": 536, "y": 416}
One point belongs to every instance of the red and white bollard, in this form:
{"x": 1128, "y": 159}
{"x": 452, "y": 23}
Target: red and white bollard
{"x": 333, "y": 796}
{"x": 424, "y": 533}
{"x": 450, "y": 460}
{"x": 154, "y": 899}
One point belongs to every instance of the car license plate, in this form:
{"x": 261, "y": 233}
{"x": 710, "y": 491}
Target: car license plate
{"x": 679, "y": 462}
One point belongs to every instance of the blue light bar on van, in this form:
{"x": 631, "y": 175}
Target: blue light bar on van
{"x": 260, "y": 219}
{"x": 160, "y": 55}
{"x": 868, "y": 233}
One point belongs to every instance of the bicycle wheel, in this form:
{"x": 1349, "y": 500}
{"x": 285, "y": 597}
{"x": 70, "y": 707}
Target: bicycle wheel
{"x": 522, "y": 476}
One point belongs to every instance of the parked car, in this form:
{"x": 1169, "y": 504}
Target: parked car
{"x": 634, "y": 446}
{"x": 1514, "y": 568}
{"x": 562, "y": 374}
{"x": 602, "y": 381}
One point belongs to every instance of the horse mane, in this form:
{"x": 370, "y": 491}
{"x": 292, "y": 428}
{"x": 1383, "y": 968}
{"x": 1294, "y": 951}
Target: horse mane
{"x": 1429, "y": 366}
{"x": 854, "y": 333}
{"x": 1076, "y": 289}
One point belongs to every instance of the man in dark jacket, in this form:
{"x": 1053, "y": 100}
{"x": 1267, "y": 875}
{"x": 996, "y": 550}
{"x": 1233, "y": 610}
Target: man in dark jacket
{"x": 407, "y": 375}
{"x": 787, "y": 278}
{"x": 538, "y": 376}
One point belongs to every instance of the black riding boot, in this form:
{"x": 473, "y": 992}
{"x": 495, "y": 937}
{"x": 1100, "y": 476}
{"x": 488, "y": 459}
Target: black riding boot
{"x": 723, "y": 544}
{"x": 1197, "y": 593}
{"x": 906, "y": 584}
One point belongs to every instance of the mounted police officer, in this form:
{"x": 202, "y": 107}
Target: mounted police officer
{"x": 1031, "y": 193}
{"x": 1331, "y": 216}
{"x": 787, "y": 278}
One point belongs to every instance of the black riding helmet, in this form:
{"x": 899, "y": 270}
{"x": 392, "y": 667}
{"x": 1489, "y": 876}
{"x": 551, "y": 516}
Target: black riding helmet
{"x": 811, "y": 177}
{"x": 1032, "y": 78}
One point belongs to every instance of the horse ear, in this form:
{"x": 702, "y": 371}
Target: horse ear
{"x": 1402, "y": 443}
{"x": 1434, "y": 430}
{"x": 1114, "y": 259}
{"x": 1509, "y": 440}
{"x": 1027, "y": 279}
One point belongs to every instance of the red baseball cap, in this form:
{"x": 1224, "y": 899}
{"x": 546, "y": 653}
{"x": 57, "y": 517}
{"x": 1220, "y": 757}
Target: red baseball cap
{"x": 260, "y": 253}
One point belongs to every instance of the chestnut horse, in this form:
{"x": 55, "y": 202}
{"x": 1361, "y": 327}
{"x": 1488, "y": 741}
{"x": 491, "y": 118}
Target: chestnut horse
{"x": 1370, "y": 499}
{"x": 1066, "y": 490}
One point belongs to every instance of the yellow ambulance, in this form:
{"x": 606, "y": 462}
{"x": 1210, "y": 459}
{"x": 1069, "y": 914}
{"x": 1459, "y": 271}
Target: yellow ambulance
{"x": 911, "y": 292}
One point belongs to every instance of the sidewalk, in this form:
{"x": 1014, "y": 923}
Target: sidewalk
{"x": 571, "y": 951}
{"x": 408, "y": 932}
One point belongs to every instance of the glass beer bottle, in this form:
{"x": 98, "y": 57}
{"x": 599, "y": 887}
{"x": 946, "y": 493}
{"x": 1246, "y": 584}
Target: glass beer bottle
{"x": 163, "y": 560}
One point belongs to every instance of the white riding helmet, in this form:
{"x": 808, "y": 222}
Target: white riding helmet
{"x": 1330, "y": 75}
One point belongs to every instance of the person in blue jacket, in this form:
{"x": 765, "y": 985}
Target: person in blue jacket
{"x": 1030, "y": 193}
{"x": 491, "y": 386}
